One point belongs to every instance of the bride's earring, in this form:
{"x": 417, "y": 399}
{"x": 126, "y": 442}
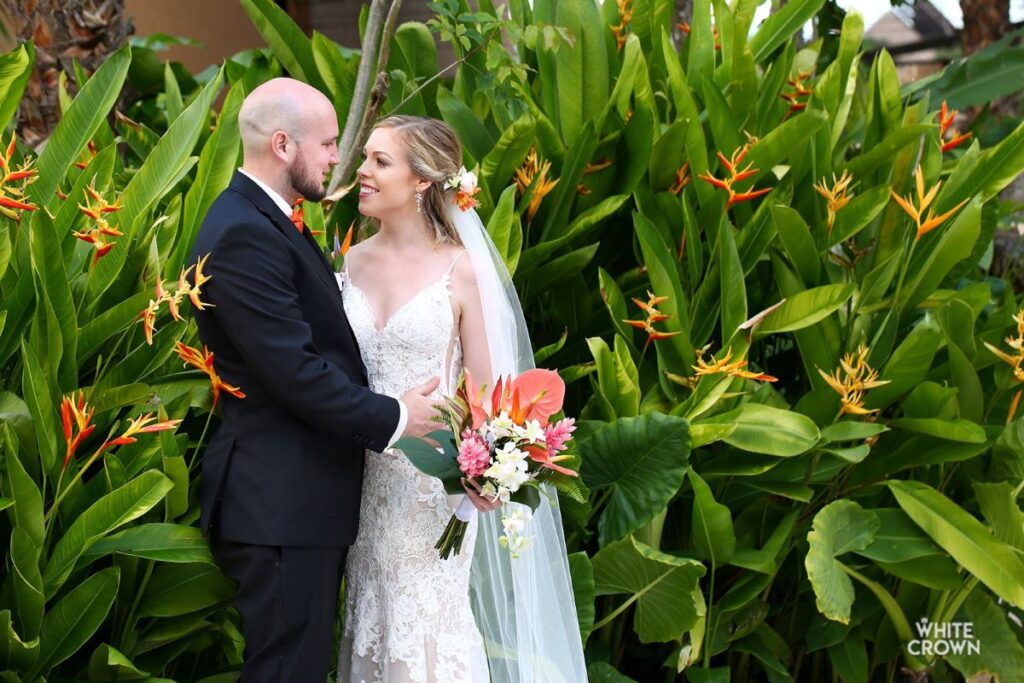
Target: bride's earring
{"x": 419, "y": 202}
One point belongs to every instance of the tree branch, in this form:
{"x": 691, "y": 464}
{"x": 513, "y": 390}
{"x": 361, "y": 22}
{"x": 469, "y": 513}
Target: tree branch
{"x": 367, "y": 100}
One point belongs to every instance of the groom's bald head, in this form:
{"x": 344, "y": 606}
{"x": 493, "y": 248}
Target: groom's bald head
{"x": 280, "y": 104}
{"x": 289, "y": 137}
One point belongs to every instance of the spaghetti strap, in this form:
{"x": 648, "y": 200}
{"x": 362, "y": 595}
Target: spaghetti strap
{"x": 455, "y": 260}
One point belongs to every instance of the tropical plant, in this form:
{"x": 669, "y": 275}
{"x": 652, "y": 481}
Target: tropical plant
{"x": 813, "y": 442}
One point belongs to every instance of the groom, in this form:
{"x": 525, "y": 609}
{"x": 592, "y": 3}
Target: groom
{"x": 282, "y": 475}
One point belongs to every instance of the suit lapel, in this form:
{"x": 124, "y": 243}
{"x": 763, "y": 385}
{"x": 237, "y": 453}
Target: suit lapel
{"x": 303, "y": 242}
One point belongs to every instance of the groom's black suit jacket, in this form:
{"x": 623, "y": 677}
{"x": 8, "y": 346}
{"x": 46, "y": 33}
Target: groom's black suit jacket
{"x": 285, "y": 466}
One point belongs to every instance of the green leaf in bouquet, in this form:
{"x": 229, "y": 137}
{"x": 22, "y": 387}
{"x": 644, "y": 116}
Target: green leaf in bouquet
{"x": 992, "y": 561}
{"x": 840, "y": 527}
{"x": 427, "y": 459}
{"x": 660, "y": 585}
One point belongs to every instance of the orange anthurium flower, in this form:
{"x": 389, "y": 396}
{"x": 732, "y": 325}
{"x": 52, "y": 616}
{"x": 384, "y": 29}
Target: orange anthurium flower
{"x": 946, "y": 117}
{"x": 140, "y": 425}
{"x": 539, "y": 393}
{"x": 924, "y": 200}
{"x": 736, "y": 175}
{"x": 75, "y": 417}
{"x": 203, "y": 360}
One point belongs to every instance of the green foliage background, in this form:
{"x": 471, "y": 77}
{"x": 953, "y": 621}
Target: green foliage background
{"x": 737, "y": 529}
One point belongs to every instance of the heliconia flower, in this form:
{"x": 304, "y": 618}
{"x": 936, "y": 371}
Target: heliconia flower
{"x": 625, "y": 8}
{"x": 682, "y": 179}
{"x": 924, "y": 200}
{"x": 531, "y": 170}
{"x": 140, "y": 425}
{"x": 12, "y": 197}
{"x": 536, "y": 394}
{"x": 946, "y": 117}
{"x": 836, "y": 195}
{"x": 203, "y": 360}
{"x": 183, "y": 289}
{"x": 148, "y": 317}
{"x": 851, "y": 379}
{"x": 736, "y": 175}
{"x": 76, "y": 419}
{"x": 654, "y": 316}
{"x": 799, "y": 89}
{"x": 685, "y": 28}
{"x": 727, "y": 366}
{"x": 88, "y": 154}
{"x": 199, "y": 279}
{"x": 1016, "y": 362}
{"x": 474, "y": 456}
{"x": 97, "y": 210}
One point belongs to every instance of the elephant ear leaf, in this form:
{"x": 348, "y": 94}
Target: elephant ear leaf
{"x": 840, "y": 527}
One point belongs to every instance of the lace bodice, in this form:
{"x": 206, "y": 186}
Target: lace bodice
{"x": 407, "y": 612}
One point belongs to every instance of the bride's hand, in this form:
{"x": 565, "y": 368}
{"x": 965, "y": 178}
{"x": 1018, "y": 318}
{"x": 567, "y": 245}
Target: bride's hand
{"x": 480, "y": 502}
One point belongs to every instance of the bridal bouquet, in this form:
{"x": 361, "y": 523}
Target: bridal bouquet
{"x": 508, "y": 448}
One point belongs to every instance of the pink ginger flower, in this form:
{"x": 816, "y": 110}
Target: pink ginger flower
{"x": 474, "y": 456}
{"x": 557, "y": 434}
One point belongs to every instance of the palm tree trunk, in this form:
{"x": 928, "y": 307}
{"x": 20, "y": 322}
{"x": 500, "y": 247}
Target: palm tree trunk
{"x": 985, "y": 21}
{"x": 63, "y": 31}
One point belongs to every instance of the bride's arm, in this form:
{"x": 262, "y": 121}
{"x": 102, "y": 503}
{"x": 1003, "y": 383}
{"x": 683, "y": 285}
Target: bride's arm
{"x": 475, "y": 356}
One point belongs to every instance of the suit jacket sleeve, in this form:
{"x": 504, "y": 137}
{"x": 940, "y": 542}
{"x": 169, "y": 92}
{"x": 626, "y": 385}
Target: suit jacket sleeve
{"x": 256, "y": 303}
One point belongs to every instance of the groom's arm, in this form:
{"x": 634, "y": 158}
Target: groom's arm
{"x": 256, "y": 303}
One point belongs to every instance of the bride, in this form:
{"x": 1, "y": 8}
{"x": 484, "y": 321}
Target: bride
{"x": 428, "y": 295}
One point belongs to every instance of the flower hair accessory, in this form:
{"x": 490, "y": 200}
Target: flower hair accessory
{"x": 465, "y": 185}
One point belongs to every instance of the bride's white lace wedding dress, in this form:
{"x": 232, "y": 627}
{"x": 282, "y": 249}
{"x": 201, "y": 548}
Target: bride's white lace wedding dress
{"x": 407, "y": 612}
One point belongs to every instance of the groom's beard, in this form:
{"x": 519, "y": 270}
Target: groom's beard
{"x": 303, "y": 182}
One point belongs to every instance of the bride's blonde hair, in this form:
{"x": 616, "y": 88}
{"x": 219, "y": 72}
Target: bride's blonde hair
{"x": 434, "y": 153}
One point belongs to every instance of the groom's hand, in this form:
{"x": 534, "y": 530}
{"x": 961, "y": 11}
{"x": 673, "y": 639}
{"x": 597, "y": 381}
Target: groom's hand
{"x": 422, "y": 409}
